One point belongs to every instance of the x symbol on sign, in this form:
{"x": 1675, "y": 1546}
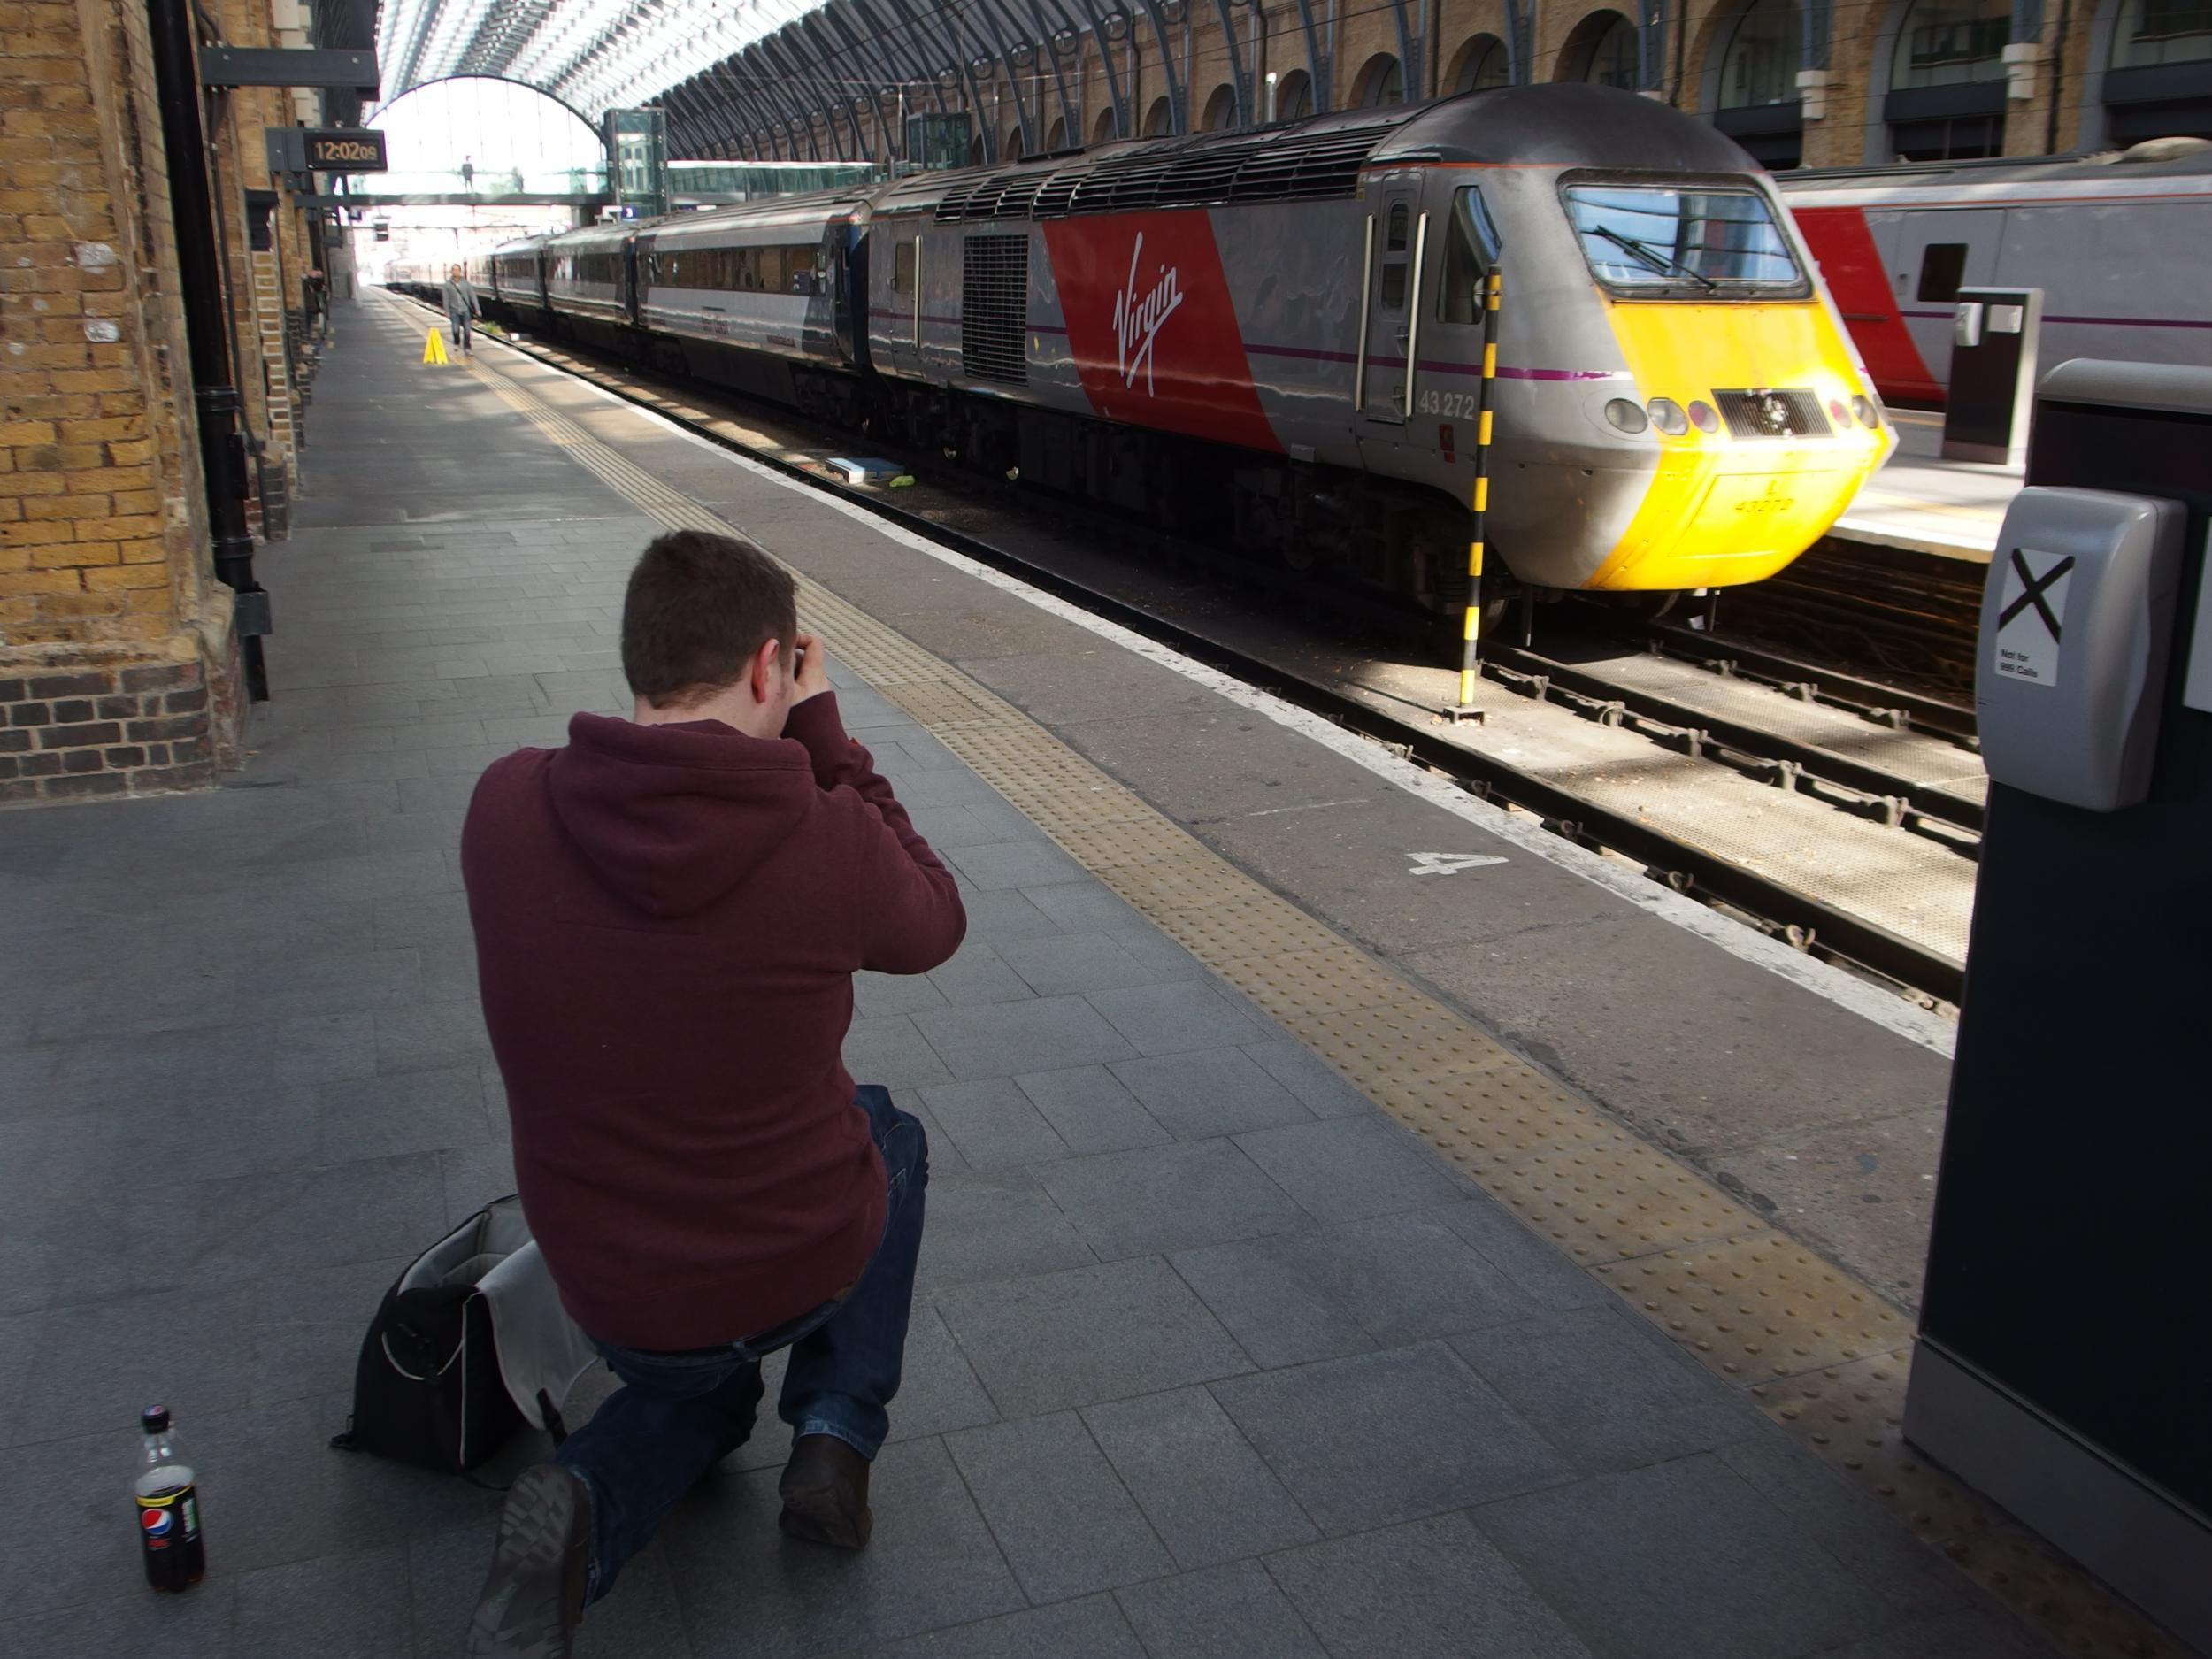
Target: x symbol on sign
{"x": 2033, "y": 587}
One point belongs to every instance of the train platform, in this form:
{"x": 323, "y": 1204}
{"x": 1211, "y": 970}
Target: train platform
{"x": 1360, "y": 1222}
{"x": 1922, "y": 502}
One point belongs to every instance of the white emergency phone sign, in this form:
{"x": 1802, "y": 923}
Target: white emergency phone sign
{"x": 2032, "y": 615}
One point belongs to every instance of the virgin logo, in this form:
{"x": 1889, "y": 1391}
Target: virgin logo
{"x": 1137, "y": 322}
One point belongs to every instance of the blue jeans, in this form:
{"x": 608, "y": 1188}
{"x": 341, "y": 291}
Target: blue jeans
{"x": 459, "y": 323}
{"x": 677, "y": 1415}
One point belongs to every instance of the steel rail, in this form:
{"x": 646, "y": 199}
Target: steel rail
{"x": 1782, "y": 911}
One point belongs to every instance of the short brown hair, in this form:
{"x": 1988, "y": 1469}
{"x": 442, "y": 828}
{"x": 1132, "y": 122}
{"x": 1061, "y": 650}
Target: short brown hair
{"x": 698, "y": 606}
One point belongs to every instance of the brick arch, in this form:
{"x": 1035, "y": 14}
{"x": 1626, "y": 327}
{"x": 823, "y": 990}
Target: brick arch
{"x": 1220, "y": 109}
{"x": 1574, "y": 61}
{"x": 1470, "y": 49}
{"x": 1373, "y": 75}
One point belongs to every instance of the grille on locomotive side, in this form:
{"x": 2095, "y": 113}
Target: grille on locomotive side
{"x": 994, "y": 309}
{"x": 1763, "y": 413}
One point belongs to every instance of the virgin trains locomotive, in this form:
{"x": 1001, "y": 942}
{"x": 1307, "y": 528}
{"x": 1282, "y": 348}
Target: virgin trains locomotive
{"x": 1277, "y": 336}
{"x": 2119, "y": 244}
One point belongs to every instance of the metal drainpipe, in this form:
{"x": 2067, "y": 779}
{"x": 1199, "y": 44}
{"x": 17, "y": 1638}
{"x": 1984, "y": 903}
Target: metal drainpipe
{"x": 1136, "y": 80}
{"x": 1265, "y": 113}
{"x": 2058, "y": 75}
{"x": 207, "y": 331}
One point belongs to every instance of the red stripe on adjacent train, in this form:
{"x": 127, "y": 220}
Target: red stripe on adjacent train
{"x": 1152, "y": 327}
{"x": 1858, "y": 281}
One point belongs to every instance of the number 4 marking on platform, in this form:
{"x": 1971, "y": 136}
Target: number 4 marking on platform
{"x": 1450, "y": 863}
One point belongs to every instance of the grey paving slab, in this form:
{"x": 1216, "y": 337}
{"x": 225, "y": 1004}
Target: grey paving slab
{"x": 94, "y": 1365}
{"x": 1541, "y": 1272}
{"x": 1168, "y": 1198}
{"x": 1086, "y": 1335}
{"x": 1053, "y": 966}
{"x": 1219, "y": 1091}
{"x": 1175, "y": 1018}
{"x": 890, "y": 1051}
{"x": 201, "y": 1626}
{"x": 1683, "y": 1560}
{"x": 977, "y": 977}
{"x": 1608, "y": 1391}
{"x": 1430, "y": 1589}
{"x": 1349, "y": 1167}
{"x": 1398, "y": 1279}
{"x": 1006, "y": 1038}
{"x": 404, "y": 1111}
{"x": 1091, "y": 1627}
{"x": 1208, "y": 1493}
{"x": 1228, "y": 1612}
{"x": 1305, "y": 1074}
{"x": 1060, "y": 1516}
{"x": 1378, "y": 1437}
{"x": 1280, "y": 1313}
{"x": 350, "y": 1606}
{"x": 993, "y": 1123}
{"x": 1000, "y": 866}
{"x": 994, "y": 1225}
{"x": 1091, "y": 1111}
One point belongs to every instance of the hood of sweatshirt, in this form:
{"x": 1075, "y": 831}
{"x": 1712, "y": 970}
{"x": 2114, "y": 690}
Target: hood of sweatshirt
{"x": 672, "y": 817}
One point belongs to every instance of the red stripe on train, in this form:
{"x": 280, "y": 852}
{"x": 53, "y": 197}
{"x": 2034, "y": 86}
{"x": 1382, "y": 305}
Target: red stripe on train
{"x": 1152, "y": 327}
{"x": 1843, "y": 247}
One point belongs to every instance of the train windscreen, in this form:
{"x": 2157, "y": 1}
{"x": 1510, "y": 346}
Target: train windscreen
{"x": 1652, "y": 242}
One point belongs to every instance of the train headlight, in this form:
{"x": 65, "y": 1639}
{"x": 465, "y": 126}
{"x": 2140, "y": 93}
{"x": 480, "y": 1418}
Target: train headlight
{"x": 1869, "y": 416}
{"x": 1626, "y": 416}
{"x": 1702, "y": 417}
{"x": 1838, "y": 415}
{"x": 1667, "y": 415}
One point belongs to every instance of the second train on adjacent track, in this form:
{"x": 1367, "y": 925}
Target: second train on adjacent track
{"x": 1275, "y": 338}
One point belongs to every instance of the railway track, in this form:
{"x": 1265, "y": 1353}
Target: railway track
{"x": 1805, "y": 919}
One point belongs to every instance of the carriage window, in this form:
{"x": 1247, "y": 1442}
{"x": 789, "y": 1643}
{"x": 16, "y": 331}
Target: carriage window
{"x": 903, "y": 266}
{"x": 1649, "y": 242}
{"x": 1942, "y": 271}
{"x": 1471, "y": 248}
{"x": 1395, "y": 242}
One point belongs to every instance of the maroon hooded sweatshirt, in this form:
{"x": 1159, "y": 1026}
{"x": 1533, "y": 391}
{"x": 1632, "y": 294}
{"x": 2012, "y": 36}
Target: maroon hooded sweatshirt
{"x": 668, "y": 918}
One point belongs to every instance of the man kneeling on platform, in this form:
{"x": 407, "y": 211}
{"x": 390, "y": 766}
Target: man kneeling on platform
{"x": 669, "y": 912}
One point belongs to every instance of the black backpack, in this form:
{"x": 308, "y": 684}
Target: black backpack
{"x": 427, "y": 1389}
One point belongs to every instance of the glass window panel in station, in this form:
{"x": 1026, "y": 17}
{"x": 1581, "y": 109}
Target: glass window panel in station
{"x": 1950, "y": 42}
{"x": 1761, "y": 64}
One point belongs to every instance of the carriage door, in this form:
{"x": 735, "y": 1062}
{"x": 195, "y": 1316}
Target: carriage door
{"x": 1936, "y": 254}
{"x": 1393, "y": 276}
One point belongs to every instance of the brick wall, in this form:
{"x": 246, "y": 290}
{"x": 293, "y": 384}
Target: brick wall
{"x": 107, "y": 600}
{"x": 1364, "y": 33}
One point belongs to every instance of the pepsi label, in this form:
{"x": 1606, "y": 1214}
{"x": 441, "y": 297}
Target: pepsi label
{"x": 169, "y": 1531}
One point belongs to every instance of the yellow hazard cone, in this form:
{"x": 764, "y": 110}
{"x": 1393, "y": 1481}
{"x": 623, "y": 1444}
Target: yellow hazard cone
{"x": 433, "y": 348}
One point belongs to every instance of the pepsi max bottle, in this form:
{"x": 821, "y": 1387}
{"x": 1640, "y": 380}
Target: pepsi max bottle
{"x": 168, "y": 1508}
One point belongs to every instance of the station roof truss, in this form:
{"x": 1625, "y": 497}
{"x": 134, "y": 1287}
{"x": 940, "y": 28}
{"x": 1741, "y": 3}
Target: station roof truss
{"x": 798, "y": 80}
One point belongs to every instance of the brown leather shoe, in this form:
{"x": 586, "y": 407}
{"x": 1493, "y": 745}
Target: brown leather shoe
{"x": 825, "y": 1490}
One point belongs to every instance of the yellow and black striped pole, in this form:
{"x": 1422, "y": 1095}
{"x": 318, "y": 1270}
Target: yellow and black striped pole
{"x": 1471, "y": 645}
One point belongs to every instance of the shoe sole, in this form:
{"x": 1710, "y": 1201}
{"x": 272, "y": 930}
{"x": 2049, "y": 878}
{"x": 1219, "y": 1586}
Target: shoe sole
{"x": 521, "y": 1613}
{"x": 813, "y": 1515}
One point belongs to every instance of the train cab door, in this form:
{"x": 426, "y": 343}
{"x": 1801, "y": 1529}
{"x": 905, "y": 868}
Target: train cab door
{"x": 1391, "y": 263}
{"x": 1932, "y": 256}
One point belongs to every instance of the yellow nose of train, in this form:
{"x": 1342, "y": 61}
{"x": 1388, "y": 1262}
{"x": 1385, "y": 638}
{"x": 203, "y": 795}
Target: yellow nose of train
{"x": 1762, "y": 442}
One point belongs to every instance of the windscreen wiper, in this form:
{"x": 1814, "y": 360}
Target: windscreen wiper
{"x": 1652, "y": 258}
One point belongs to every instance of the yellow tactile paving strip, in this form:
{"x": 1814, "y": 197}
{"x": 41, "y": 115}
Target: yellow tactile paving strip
{"x": 1822, "y": 1355}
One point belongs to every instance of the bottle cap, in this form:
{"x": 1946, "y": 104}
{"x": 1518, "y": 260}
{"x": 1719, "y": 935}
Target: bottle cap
{"x": 154, "y": 1419}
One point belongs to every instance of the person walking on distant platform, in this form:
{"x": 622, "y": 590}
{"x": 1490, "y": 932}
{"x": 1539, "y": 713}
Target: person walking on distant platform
{"x": 468, "y": 175}
{"x": 460, "y": 306}
{"x": 315, "y": 289}
{"x": 669, "y": 912}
